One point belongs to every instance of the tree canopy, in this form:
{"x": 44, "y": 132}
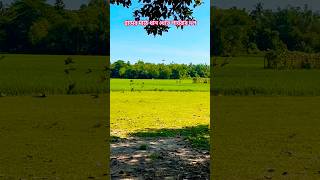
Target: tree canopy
{"x": 157, "y": 10}
{"x": 238, "y": 31}
{"x": 34, "y": 26}
{"x": 142, "y": 70}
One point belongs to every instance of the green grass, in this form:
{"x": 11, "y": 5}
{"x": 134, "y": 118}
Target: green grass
{"x": 53, "y": 137}
{"x": 266, "y": 137}
{"x": 63, "y": 136}
{"x": 246, "y": 76}
{"x": 157, "y": 85}
{"x": 161, "y": 114}
{"x": 266, "y": 127}
{"x": 30, "y": 74}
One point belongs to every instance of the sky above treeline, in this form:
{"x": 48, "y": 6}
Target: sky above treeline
{"x": 268, "y": 4}
{"x": 70, "y": 4}
{"x": 190, "y": 45}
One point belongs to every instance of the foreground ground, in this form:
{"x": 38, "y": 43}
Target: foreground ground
{"x": 267, "y": 127}
{"x": 158, "y": 158}
{"x": 266, "y": 138}
{"x": 160, "y": 134}
{"x": 56, "y": 137}
{"x": 51, "y": 132}
{"x": 146, "y": 110}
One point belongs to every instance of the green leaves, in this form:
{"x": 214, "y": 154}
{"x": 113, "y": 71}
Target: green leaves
{"x": 238, "y": 31}
{"x": 38, "y": 31}
{"x": 141, "y": 70}
{"x": 158, "y": 10}
{"x": 33, "y": 26}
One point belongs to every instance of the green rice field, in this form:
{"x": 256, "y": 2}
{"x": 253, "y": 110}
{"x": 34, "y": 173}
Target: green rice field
{"x": 265, "y": 122}
{"x": 264, "y": 126}
{"x": 246, "y": 76}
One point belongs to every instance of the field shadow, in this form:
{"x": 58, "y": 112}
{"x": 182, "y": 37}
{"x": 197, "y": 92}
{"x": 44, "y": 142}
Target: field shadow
{"x": 162, "y": 153}
{"x": 198, "y": 136}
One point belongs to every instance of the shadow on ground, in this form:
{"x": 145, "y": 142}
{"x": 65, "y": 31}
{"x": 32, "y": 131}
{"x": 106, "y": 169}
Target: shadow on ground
{"x": 162, "y": 154}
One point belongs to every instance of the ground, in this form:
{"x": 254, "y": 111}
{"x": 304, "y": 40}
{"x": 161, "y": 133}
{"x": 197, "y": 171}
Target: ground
{"x": 265, "y": 122}
{"x": 52, "y": 133}
{"x": 158, "y": 158}
{"x": 266, "y": 137}
{"x": 56, "y": 137}
{"x": 160, "y": 134}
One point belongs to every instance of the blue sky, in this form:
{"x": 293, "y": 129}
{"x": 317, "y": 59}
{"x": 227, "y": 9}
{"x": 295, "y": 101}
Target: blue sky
{"x": 132, "y": 43}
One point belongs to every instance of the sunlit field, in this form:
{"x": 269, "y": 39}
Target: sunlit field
{"x": 265, "y": 122}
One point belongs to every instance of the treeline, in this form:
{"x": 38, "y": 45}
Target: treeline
{"x": 142, "y": 70}
{"x": 34, "y": 26}
{"x": 239, "y": 31}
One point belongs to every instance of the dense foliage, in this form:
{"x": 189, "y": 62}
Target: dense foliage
{"x": 142, "y": 70}
{"x": 239, "y": 31}
{"x": 34, "y": 26}
{"x": 291, "y": 60}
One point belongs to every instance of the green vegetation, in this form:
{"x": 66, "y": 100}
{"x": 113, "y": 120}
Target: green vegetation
{"x": 239, "y": 31}
{"x": 157, "y": 85}
{"x": 161, "y": 10}
{"x": 291, "y": 60}
{"x": 57, "y": 137}
{"x": 46, "y": 133}
{"x": 34, "y": 26}
{"x": 142, "y": 70}
{"x": 266, "y": 137}
{"x": 197, "y": 135}
{"x": 161, "y": 114}
{"x": 155, "y": 156}
{"x": 246, "y": 76}
{"x": 266, "y": 124}
{"x": 33, "y": 74}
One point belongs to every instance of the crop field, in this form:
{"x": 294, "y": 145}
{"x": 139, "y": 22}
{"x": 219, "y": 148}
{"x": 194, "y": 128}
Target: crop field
{"x": 45, "y": 133}
{"x": 265, "y": 120}
{"x": 53, "y": 134}
{"x": 266, "y": 137}
{"x": 246, "y": 76}
{"x": 58, "y": 137}
{"x": 160, "y": 114}
{"x": 266, "y": 125}
{"x": 157, "y": 85}
{"x": 159, "y": 134}
{"x": 29, "y": 74}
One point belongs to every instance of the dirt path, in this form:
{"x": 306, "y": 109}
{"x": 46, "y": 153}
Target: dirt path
{"x": 157, "y": 158}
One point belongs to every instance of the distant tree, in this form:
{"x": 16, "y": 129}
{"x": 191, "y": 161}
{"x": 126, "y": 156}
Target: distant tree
{"x": 142, "y": 70}
{"x": 238, "y": 31}
{"x": 38, "y": 31}
{"x": 165, "y": 72}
